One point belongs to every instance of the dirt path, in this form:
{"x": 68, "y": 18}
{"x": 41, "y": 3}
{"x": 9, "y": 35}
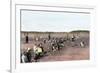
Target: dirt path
{"x": 68, "y": 54}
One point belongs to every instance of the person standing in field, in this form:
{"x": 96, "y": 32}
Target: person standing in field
{"x": 29, "y": 54}
{"x": 49, "y": 37}
{"x": 26, "y": 38}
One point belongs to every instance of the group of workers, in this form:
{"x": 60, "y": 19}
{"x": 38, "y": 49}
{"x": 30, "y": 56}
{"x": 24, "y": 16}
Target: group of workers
{"x": 32, "y": 54}
{"x": 35, "y": 53}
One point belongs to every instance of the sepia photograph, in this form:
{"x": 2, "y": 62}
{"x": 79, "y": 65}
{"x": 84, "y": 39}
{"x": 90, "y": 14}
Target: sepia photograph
{"x": 50, "y": 36}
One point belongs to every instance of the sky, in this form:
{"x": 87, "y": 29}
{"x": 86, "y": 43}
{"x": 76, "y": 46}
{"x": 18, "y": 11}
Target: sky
{"x": 54, "y": 21}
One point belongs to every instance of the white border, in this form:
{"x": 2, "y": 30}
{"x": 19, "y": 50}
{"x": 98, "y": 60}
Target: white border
{"x": 15, "y": 53}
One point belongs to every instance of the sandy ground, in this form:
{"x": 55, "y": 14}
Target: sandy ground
{"x": 69, "y": 54}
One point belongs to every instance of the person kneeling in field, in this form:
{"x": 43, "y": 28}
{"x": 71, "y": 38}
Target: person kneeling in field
{"x": 82, "y": 44}
{"x": 38, "y": 53}
{"x": 24, "y": 58}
